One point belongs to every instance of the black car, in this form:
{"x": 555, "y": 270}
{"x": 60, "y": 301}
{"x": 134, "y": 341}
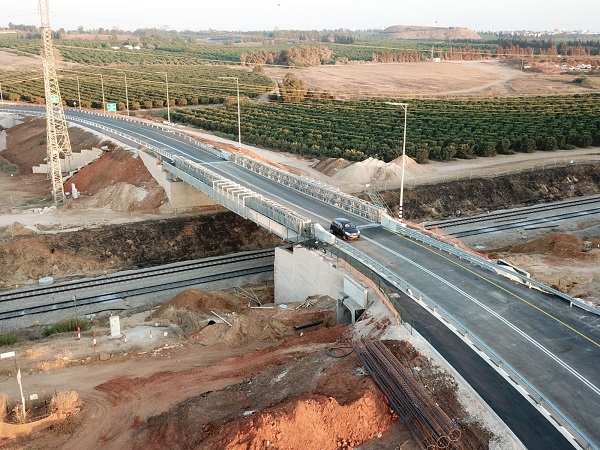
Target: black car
{"x": 344, "y": 228}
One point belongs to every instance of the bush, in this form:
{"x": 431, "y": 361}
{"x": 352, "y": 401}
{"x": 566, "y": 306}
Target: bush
{"x": 66, "y": 326}
{"x": 65, "y": 402}
{"x": 7, "y": 339}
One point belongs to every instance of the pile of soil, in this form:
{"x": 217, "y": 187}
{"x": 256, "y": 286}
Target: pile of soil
{"x": 554, "y": 245}
{"x": 198, "y": 314}
{"x": 126, "y": 185}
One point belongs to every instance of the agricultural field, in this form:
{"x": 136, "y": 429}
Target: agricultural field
{"x": 188, "y": 85}
{"x": 439, "y": 129}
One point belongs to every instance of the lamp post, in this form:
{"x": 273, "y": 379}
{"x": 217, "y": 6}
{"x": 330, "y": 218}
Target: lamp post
{"x": 167, "y": 86}
{"x": 405, "y": 108}
{"x": 237, "y": 86}
{"x": 126, "y": 94}
{"x": 1, "y": 96}
{"x": 78, "y": 92}
{"x": 103, "y": 101}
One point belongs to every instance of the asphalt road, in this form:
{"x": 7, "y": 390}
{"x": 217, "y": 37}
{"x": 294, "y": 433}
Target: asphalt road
{"x": 532, "y": 429}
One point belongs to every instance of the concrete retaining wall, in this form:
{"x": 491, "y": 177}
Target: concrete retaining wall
{"x": 78, "y": 160}
{"x": 180, "y": 194}
{"x": 302, "y": 273}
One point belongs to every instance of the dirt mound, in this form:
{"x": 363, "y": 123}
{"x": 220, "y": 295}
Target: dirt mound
{"x": 316, "y": 422}
{"x": 558, "y": 245}
{"x": 31, "y": 258}
{"x": 199, "y": 301}
{"x": 330, "y": 166}
{"x": 198, "y": 314}
{"x": 118, "y": 180}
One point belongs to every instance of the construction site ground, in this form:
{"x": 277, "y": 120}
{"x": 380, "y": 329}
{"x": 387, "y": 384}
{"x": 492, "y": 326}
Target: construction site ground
{"x": 260, "y": 383}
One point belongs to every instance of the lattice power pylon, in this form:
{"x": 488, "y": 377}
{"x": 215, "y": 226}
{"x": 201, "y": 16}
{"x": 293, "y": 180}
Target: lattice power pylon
{"x": 58, "y": 142}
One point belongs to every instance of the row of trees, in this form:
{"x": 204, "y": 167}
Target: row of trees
{"x": 293, "y": 56}
{"x": 437, "y": 130}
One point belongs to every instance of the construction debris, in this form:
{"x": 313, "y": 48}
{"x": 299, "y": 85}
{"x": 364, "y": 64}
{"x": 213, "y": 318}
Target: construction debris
{"x": 311, "y": 301}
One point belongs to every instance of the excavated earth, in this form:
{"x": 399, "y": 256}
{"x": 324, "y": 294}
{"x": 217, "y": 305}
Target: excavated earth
{"x": 256, "y": 385}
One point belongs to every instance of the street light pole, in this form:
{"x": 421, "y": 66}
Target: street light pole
{"x": 126, "y": 94}
{"x": 167, "y": 85}
{"x": 103, "y": 101}
{"x": 1, "y": 96}
{"x": 78, "y": 92}
{"x": 237, "y": 86}
{"x": 405, "y": 108}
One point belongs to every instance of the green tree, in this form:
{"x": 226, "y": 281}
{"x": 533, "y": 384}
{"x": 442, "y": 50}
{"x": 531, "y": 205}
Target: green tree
{"x": 292, "y": 88}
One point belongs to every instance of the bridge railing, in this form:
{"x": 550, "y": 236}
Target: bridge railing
{"x": 278, "y": 219}
{"x": 311, "y": 188}
{"x": 509, "y": 373}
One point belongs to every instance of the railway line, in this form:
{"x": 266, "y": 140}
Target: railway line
{"x": 540, "y": 216}
{"x": 119, "y": 286}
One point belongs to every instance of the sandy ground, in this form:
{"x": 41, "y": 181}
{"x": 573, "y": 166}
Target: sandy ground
{"x": 423, "y": 79}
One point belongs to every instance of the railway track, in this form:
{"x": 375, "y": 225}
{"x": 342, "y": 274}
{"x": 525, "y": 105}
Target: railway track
{"x": 506, "y": 220}
{"x": 115, "y": 287}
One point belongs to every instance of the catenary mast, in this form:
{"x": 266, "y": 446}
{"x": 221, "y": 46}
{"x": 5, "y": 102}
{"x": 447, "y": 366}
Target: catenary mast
{"x": 56, "y": 125}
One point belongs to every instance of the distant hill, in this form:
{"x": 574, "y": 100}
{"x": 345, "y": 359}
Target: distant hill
{"x": 428, "y": 33}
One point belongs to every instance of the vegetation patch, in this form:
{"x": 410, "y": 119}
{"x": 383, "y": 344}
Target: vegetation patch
{"x": 9, "y": 168}
{"x": 67, "y": 325}
{"x": 7, "y": 339}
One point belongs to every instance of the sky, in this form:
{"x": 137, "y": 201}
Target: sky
{"x": 248, "y": 15}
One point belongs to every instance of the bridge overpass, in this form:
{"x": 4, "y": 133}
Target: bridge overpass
{"x": 543, "y": 343}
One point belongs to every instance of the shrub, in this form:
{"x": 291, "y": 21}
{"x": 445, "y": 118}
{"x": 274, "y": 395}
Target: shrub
{"x": 66, "y": 326}
{"x": 65, "y": 402}
{"x": 7, "y": 339}
{"x": 583, "y": 81}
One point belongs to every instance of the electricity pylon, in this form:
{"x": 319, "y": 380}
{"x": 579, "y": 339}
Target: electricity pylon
{"x": 58, "y": 143}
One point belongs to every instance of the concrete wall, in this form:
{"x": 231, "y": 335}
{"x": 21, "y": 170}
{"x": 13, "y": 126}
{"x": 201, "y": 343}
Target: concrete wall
{"x": 9, "y": 120}
{"x": 302, "y": 273}
{"x": 78, "y": 160}
{"x": 181, "y": 195}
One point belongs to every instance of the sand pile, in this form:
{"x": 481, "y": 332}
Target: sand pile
{"x": 371, "y": 170}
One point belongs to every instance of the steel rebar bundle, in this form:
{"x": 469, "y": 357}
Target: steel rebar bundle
{"x": 429, "y": 424}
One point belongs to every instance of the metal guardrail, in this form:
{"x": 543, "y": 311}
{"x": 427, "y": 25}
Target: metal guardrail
{"x": 489, "y": 265}
{"x": 497, "y": 362}
{"x": 313, "y": 189}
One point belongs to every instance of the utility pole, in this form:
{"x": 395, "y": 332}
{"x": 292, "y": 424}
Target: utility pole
{"x": 58, "y": 142}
